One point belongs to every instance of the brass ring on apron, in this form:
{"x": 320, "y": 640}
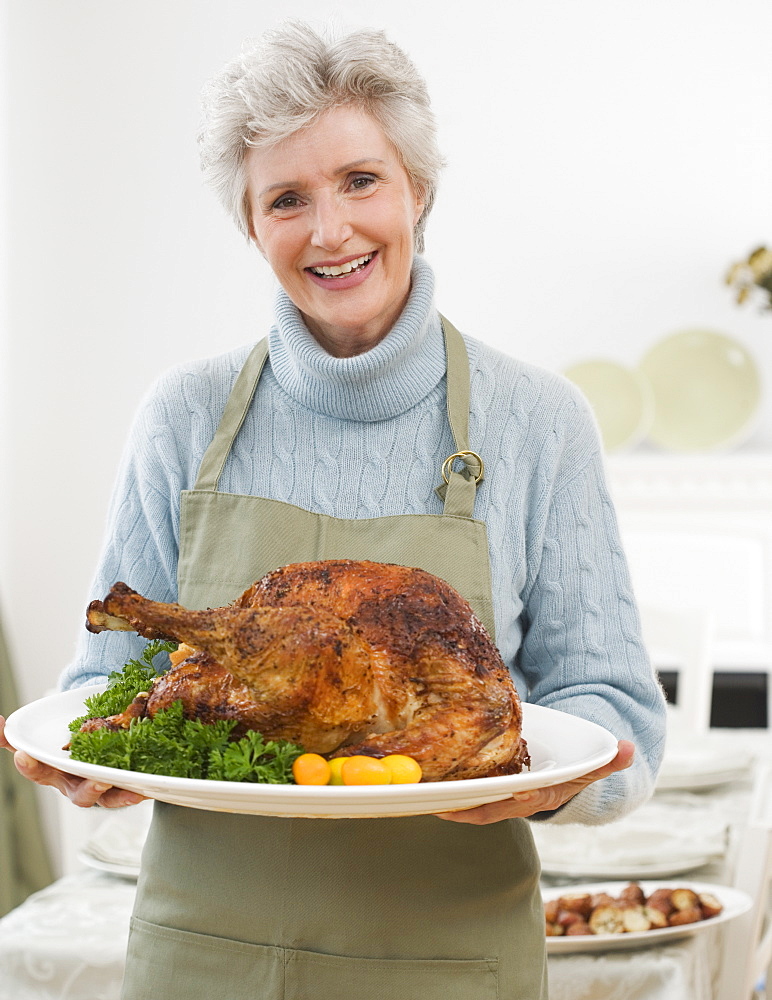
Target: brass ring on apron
{"x": 448, "y": 464}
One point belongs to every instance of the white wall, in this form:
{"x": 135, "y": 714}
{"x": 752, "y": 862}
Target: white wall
{"x": 607, "y": 160}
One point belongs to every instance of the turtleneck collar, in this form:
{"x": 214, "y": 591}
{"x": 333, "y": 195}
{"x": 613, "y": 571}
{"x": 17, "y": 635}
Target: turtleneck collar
{"x": 385, "y": 381}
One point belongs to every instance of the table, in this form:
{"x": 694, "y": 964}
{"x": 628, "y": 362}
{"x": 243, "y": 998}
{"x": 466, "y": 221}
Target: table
{"x": 680, "y": 971}
{"x": 68, "y": 942}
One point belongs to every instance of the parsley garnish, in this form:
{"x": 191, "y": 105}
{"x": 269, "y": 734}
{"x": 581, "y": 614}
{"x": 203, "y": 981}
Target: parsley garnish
{"x": 124, "y": 685}
{"x": 170, "y": 744}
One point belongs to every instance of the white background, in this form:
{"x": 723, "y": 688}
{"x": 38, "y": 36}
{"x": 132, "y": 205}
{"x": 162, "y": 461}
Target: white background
{"x": 607, "y": 161}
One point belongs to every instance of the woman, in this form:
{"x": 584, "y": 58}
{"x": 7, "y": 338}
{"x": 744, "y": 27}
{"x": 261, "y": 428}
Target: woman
{"x": 325, "y": 154}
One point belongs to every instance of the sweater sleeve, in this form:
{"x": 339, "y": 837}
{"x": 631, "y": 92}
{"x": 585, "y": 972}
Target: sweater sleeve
{"x": 582, "y": 651}
{"x": 141, "y": 539}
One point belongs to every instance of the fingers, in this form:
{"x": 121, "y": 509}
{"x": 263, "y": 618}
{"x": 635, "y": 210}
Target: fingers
{"x": 524, "y": 804}
{"x": 623, "y": 760}
{"x": 3, "y": 741}
{"x": 518, "y": 806}
{"x": 118, "y": 798}
{"x": 80, "y": 791}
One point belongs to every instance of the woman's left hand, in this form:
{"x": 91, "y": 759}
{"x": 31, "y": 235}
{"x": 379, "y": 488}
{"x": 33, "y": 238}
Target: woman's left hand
{"x": 523, "y": 804}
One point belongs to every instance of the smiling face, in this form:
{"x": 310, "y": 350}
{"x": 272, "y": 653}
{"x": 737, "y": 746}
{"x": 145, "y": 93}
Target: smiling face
{"x": 333, "y": 210}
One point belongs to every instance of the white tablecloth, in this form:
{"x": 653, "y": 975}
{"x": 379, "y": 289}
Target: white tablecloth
{"x": 68, "y": 943}
{"x": 677, "y": 972}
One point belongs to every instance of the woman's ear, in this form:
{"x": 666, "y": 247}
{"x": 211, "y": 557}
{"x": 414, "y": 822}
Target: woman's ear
{"x": 420, "y": 203}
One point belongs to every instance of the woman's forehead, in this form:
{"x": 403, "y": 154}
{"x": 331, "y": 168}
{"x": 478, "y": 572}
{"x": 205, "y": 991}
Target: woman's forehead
{"x": 338, "y": 141}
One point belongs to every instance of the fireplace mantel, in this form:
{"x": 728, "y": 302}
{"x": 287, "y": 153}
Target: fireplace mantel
{"x": 736, "y": 481}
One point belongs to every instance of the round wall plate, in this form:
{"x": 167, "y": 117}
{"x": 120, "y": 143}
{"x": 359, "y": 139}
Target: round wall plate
{"x": 706, "y": 389}
{"x": 620, "y": 398}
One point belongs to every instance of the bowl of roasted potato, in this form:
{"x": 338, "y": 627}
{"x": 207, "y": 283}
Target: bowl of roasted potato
{"x": 611, "y": 915}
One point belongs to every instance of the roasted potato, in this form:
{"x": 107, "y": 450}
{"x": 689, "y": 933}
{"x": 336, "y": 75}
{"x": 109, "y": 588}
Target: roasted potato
{"x": 631, "y": 912}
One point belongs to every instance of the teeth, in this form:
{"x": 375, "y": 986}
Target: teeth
{"x": 334, "y": 270}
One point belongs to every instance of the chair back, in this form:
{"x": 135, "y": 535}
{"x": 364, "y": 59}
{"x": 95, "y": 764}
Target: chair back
{"x": 747, "y": 944}
{"x": 681, "y": 639}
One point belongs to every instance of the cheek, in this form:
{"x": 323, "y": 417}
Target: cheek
{"x": 278, "y": 248}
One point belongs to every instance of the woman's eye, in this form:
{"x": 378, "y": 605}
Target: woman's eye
{"x": 362, "y": 181}
{"x": 286, "y": 201}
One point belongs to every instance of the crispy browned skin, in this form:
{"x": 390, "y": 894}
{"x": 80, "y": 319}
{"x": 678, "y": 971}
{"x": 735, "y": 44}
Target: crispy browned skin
{"x": 353, "y": 657}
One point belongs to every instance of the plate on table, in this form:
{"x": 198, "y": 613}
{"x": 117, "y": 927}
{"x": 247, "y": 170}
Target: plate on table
{"x": 696, "y": 768}
{"x": 122, "y": 870}
{"x": 659, "y": 839}
{"x": 632, "y": 870}
{"x": 562, "y": 747}
{"x": 734, "y": 901}
{"x": 116, "y": 845}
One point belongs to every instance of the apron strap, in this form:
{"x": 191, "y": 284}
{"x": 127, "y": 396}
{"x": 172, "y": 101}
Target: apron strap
{"x": 458, "y": 490}
{"x": 233, "y": 417}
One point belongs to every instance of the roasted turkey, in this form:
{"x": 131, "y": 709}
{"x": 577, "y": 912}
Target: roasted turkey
{"x": 342, "y": 657}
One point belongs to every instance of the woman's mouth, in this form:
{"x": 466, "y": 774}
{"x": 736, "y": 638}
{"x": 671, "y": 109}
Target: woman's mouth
{"x": 337, "y": 271}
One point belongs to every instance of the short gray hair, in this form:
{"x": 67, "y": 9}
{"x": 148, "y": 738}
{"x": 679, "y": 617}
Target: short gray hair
{"x": 289, "y": 77}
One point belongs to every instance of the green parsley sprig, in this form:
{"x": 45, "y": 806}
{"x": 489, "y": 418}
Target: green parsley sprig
{"x": 170, "y": 744}
{"x": 124, "y": 685}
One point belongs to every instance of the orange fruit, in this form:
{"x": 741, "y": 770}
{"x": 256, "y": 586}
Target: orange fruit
{"x": 404, "y": 770}
{"x": 336, "y": 764}
{"x": 311, "y": 769}
{"x": 364, "y": 771}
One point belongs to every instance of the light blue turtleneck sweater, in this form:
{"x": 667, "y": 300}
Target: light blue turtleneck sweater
{"x": 366, "y": 436}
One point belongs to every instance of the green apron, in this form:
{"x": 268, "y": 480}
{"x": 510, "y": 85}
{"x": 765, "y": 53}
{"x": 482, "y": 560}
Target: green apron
{"x": 264, "y": 908}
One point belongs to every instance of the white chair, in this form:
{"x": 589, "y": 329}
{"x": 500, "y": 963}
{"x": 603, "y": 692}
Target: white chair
{"x": 681, "y": 639}
{"x": 747, "y": 944}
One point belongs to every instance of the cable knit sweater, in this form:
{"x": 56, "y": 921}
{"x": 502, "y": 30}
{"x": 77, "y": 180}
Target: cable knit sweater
{"x": 366, "y": 436}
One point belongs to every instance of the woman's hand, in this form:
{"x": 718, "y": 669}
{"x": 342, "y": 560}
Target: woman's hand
{"x": 523, "y": 804}
{"x": 81, "y": 791}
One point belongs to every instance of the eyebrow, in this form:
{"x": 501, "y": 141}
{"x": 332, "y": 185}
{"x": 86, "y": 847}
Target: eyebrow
{"x": 341, "y": 170}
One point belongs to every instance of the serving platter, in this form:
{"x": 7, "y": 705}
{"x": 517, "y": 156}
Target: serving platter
{"x": 562, "y": 747}
{"x": 734, "y": 901}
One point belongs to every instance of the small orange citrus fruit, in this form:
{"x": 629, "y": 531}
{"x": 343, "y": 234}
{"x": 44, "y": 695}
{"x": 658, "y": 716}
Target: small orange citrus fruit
{"x": 311, "y": 769}
{"x": 404, "y": 770}
{"x": 365, "y": 771}
{"x": 336, "y": 765}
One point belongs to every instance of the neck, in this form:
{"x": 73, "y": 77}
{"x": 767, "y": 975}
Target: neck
{"x": 342, "y": 342}
{"x": 378, "y": 380}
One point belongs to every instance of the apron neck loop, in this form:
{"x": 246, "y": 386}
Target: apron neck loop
{"x": 459, "y": 487}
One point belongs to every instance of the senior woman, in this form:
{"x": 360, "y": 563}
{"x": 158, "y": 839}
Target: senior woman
{"x": 325, "y": 154}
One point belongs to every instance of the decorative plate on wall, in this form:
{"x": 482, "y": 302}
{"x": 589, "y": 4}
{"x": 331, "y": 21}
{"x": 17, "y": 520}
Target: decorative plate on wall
{"x": 706, "y": 390}
{"x": 620, "y": 398}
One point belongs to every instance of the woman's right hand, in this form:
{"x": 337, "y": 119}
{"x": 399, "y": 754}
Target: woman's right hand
{"x": 81, "y": 791}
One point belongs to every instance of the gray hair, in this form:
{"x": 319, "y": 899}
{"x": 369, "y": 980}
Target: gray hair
{"x": 289, "y": 77}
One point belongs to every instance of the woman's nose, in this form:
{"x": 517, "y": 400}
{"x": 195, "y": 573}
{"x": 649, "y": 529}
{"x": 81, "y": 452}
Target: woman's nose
{"x": 331, "y": 227}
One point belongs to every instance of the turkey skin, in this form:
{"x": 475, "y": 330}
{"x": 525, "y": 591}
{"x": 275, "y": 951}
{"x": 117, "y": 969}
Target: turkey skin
{"x": 343, "y": 657}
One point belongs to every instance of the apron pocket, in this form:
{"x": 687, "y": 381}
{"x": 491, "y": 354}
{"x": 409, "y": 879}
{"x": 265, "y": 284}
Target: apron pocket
{"x": 168, "y": 964}
{"x": 314, "y": 976}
